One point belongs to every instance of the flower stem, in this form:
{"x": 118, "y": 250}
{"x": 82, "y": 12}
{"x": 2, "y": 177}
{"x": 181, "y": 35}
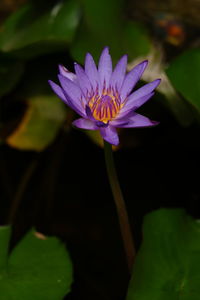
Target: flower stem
{"x": 120, "y": 206}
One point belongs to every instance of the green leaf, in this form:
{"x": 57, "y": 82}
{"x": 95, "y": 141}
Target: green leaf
{"x": 38, "y": 268}
{"x": 11, "y": 71}
{"x": 103, "y": 24}
{"x": 5, "y": 232}
{"x": 29, "y": 35}
{"x": 40, "y": 124}
{"x": 184, "y": 73}
{"x": 167, "y": 265}
{"x": 137, "y": 42}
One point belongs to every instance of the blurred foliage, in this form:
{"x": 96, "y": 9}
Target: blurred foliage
{"x": 11, "y": 71}
{"x": 37, "y": 268}
{"x": 177, "y": 105}
{"x": 9, "y": 6}
{"x": 184, "y": 74}
{"x": 167, "y": 264}
{"x": 102, "y": 27}
{"x": 40, "y": 124}
{"x": 28, "y": 33}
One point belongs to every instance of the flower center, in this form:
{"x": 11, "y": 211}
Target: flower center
{"x": 105, "y": 107}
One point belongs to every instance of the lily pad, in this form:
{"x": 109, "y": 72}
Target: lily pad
{"x": 167, "y": 265}
{"x": 39, "y": 268}
{"x": 40, "y": 124}
{"x": 184, "y": 73}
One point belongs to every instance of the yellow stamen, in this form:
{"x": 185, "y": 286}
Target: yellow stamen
{"x": 106, "y": 107}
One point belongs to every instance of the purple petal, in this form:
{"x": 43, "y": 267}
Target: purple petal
{"x": 101, "y": 124}
{"x": 85, "y": 124}
{"x": 89, "y": 113}
{"x": 73, "y": 94}
{"x": 58, "y": 91}
{"x": 66, "y": 73}
{"x": 70, "y": 88}
{"x": 131, "y": 79}
{"x": 120, "y": 122}
{"x": 83, "y": 80}
{"x": 109, "y": 134}
{"x": 143, "y": 91}
{"x": 136, "y": 120}
{"x": 118, "y": 74}
{"x": 91, "y": 71}
{"x": 133, "y": 104}
{"x": 138, "y": 98}
{"x": 105, "y": 67}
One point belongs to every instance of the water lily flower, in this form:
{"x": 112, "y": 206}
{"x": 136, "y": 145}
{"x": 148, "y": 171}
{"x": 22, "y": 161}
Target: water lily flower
{"x": 103, "y": 97}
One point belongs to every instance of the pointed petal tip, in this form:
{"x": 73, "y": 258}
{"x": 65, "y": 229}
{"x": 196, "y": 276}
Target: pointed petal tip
{"x": 76, "y": 65}
{"x": 124, "y": 58}
{"x": 78, "y": 68}
{"x": 154, "y": 123}
{"x": 88, "y": 55}
{"x": 61, "y": 67}
{"x": 135, "y": 121}
{"x": 53, "y": 85}
{"x": 66, "y": 73}
{"x": 105, "y": 50}
{"x": 158, "y": 80}
{"x": 145, "y": 61}
{"x": 144, "y": 64}
{"x": 114, "y": 143}
{"x": 58, "y": 91}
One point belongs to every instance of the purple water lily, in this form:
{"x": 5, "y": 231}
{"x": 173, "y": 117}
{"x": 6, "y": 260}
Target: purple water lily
{"x": 102, "y": 96}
